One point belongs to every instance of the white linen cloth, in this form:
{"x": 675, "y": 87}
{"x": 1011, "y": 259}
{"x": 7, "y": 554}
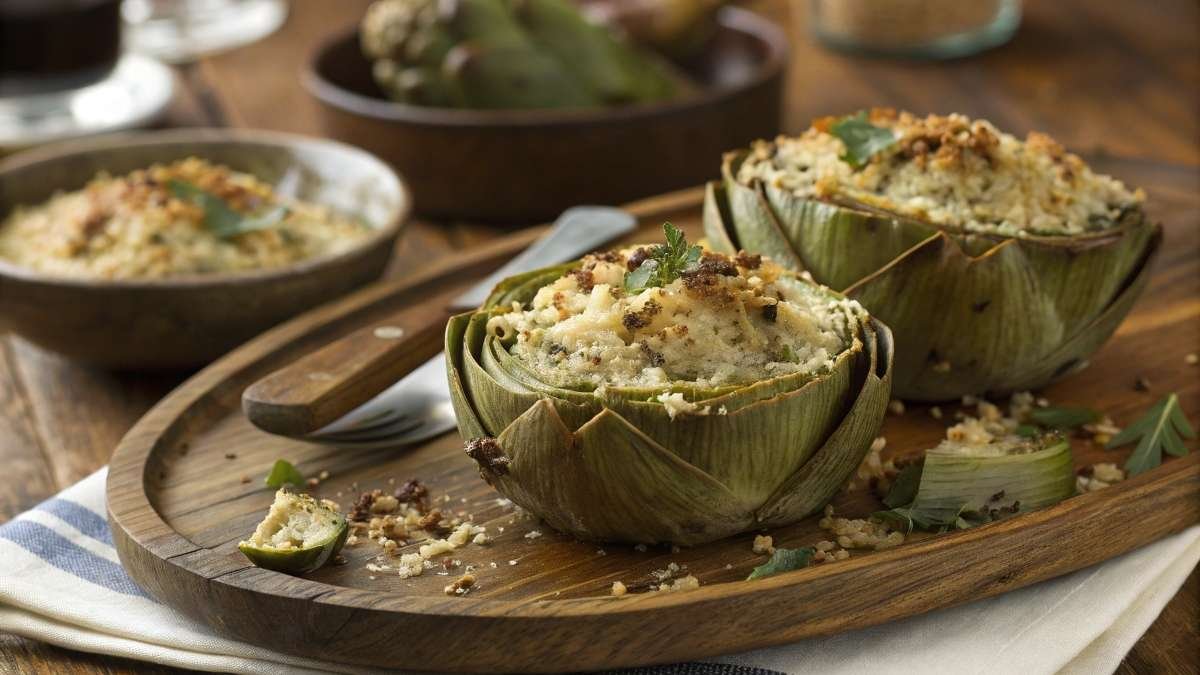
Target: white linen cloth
{"x": 61, "y": 582}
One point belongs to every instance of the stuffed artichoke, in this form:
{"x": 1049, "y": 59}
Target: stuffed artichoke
{"x": 666, "y": 395}
{"x": 507, "y": 54}
{"x": 1000, "y": 264}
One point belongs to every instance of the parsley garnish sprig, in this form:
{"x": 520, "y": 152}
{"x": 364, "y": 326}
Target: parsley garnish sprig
{"x": 861, "y": 138}
{"x": 219, "y": 218}
{"x": 1161, "y": 429}
{"x": 665, "y": 262}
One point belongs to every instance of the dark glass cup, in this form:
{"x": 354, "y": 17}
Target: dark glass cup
{"x": 57, "y": 45}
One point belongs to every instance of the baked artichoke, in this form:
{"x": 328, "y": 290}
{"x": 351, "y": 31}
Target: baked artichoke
{"x": 663, "y": 395}
{"x": 507, "y": 54}
{"x": 1000, "y": 264}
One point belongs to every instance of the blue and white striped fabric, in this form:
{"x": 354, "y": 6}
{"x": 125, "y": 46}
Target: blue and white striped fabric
{"x": 61, "y": 582}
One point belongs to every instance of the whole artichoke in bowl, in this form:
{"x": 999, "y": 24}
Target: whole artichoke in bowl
{"x": 498, "y": 54}
{"x": 617, "y": 399}
{"x": 1001, "y": 265}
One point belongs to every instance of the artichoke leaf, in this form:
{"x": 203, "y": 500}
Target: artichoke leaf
{"x": 614, "y": 69}
{"x": 469, "y": 424}
{"x": 717, "y": 222}
{"x": 952, "y": 482}
{"x": 748, "y": 205}
{"x": 816, "y": 482}
{"x": 749, "y": 448}
{"x": 610, "y": 481}
{"x": 999, "y": 323}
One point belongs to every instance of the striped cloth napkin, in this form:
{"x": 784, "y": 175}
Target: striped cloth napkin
{"x": 61, "y": 582}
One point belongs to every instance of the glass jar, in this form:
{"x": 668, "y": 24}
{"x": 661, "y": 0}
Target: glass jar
{"x": 936, "y": 29}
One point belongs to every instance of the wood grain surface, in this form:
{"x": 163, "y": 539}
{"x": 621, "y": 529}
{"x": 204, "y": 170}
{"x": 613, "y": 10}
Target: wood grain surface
{"x": 184, "y": 487}
{"x": 1106, "y": 77}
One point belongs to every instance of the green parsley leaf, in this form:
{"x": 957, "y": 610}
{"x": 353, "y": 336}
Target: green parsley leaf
{"x": 666, "y": 262}
{"x": 1063, "y": 418}
{"x": 219, "y": 218}
{"x": 1159, "y": 430}
{"x": 861, "y": 138}
{"x": 283, "y": 473}
{"x": 783, "y": 560}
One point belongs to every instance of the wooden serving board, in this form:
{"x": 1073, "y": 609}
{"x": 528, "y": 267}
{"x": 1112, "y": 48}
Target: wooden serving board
{"x": 186, "y": 485}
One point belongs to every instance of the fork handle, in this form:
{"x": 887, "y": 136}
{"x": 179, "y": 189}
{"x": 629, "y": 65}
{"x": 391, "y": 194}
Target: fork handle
{"x": 325, "y": 384}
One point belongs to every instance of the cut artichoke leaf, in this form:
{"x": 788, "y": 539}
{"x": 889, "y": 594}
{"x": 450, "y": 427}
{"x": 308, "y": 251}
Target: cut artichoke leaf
{"x": 298, "y": 535}
{"x": 964, "y": 485}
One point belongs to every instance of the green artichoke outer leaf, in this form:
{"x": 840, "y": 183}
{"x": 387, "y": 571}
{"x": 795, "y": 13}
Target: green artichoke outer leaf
{"x": 610, "y": 481}
{"x": 718, "y": 231}
{"x": 512, "y": 77}
{"x": 469, "y": 424}
{"x": 614, "y": 70}
{"x": 971, "y": 313}
{"x": 819, "y": 479}
{"x": 747, "y": 205}
{"x": 1002, "y": 321}
{"x": 952, "y": 483}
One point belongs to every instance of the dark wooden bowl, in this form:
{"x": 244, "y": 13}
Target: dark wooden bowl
{"x": 179, "y": 322}
{"x": 529, "y": 165}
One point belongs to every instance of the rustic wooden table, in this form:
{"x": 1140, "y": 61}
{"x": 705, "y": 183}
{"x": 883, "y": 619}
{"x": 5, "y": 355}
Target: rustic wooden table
{"x": 1104, "y": 77}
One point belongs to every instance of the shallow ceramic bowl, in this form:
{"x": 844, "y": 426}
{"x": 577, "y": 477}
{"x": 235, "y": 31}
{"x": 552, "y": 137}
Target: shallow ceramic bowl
{"x": 179, "y": 322}
{"x": 529, "y": 165}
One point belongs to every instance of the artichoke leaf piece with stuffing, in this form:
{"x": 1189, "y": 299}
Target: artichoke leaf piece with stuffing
{"x": 298, "y": 536}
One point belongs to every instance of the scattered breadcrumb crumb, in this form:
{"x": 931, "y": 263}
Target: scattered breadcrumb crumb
{"x": 1192, "y": 359}
{"x": 763, "y": 545}
{"x": 618, "y": 589}
{"x": 1098, "y": 477}
{"x": 935, "y": 412}
{"x": 688, "y": 583}
{"x": 869, "y": 533}
{"x": 461, "y": 585}
{"x": 896, "y": 407}
{"x": 533, "y": 534}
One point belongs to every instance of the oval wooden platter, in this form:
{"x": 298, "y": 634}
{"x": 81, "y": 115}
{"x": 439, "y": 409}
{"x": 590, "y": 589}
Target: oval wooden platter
{"x": 186, "y": 485}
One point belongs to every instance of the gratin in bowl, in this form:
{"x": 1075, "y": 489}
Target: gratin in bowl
{"x": 187, "y": 321}
{"x": 530, "y": 165}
